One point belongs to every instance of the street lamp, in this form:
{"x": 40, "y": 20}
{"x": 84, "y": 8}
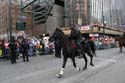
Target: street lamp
{"x": 104, "y": 24}
{"x": 103, "y": 20}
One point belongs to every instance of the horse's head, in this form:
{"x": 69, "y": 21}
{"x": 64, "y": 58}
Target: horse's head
{"x": 56, "y": 35}
{"x": 117, "y": 38}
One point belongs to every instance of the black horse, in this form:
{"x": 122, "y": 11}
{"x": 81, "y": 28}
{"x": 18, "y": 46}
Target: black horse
{"x": 89, "y": 46}
{"x": 121, "y": 42}
{"x": 69, "y": 51}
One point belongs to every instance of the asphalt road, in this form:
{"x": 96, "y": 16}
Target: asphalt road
{"x": 114, "y": 73}
{"x": 43, "y": 69}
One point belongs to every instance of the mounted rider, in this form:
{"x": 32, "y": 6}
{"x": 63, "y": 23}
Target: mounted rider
{"x": 76, "y": 36}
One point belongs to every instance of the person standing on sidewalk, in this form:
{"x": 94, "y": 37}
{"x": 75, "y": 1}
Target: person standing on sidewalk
{"x": 13, "y": 48}
{"x": 24, "y": 50}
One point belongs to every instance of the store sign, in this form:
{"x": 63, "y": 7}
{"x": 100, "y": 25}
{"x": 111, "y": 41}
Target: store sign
{"x": 93, "y": 35}
{"x": 108, "y": 31}
{"x": 113, "y": 32}
{"x": 85, "y": 28}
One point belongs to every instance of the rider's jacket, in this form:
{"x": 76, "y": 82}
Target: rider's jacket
{"x": 75, "y": 34}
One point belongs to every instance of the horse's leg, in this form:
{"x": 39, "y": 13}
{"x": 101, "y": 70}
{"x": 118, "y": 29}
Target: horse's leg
{"x": 120, "y": 46}
{"x": 93, "y": 53}
{"x": 120, "y": 49}
{"x": 74, "y": 63}
{"x": 91, "y": 57}
{"x": 63, "y": 67}
{"x": 85, "y": 58}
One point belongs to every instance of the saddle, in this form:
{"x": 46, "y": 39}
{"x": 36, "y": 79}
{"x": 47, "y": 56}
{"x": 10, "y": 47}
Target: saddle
{"x": 74, "y": 45}
{"x": 78, "y": 50}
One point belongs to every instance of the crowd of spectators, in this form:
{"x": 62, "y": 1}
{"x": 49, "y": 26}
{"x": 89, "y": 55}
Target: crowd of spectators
{"x": 42, "y": 46}
{"x": 105, "y": 43}
{"x": 35, "y": 46}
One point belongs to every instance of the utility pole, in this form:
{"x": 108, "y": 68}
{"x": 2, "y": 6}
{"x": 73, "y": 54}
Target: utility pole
{"x": 21, "y": 13}
{"x": 10, "y": 20}
{"x": 103, "y": 20}
{"x": 32, "y": 19}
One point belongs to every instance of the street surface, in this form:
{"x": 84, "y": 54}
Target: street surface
{"x": 109, "y": 68}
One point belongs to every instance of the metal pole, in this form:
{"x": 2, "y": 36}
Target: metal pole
{"x": 90, "y": 3}
{"x": 103, "y": 20}
{"x": 21, "y": 14}
{"x": 65, "y": 12}
{"x": 10, "y": 20}
{"x": 71, "y": 12}
{"x": 110, "y": 13}
{"x": 32, "y": 19}
{"x": 103, "y": 27}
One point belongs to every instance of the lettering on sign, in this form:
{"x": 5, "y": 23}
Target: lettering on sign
{"x": 85, "y": 28}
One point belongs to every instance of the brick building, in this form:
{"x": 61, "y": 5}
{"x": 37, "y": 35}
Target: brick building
{"x": 8, "y": 21}
{"x": 5, "y": 16}
{"x": 9, "y": 15}
{"x": 78, "y": 12}
{"x": 95, "y": 12}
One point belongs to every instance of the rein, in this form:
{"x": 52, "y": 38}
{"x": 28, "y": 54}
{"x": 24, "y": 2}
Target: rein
{"x": 64, "y": 42}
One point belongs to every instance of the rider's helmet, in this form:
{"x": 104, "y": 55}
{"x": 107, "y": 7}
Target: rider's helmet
{"x": 58, "y": 29}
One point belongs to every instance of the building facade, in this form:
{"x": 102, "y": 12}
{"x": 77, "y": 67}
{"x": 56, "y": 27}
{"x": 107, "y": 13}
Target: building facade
{"x": 77, "y": 12}
{"x": 8, "y": 17}
{"x": 10, "y": 14}
{"x": 87, "y": 12}
{"x": 109, "y": 11}
{"x": 45, "y": 23}
{"x": 53, "y": 21}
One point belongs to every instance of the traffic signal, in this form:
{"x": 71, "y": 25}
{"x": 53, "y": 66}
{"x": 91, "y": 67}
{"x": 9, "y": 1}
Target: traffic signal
{"x": 64, "y": 16}
{"x": 18, "y": 26}
{"x": 23, "y": 26}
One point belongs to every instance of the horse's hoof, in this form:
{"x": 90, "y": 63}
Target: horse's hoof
{"x": 78, "y": 69}
{"x": 91, "y": 64}
{"x": 84, "y": 68}
{"x": 59, "y": 75}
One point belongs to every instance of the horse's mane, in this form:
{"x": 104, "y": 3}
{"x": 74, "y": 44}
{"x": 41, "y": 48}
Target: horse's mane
{"x": 64, "y": 36}
{"x": 62, "y": 33}
{"x": 65, "y": 40}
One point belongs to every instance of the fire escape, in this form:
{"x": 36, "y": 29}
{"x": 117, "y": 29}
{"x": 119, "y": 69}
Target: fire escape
{"x": 41, "y": 9}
